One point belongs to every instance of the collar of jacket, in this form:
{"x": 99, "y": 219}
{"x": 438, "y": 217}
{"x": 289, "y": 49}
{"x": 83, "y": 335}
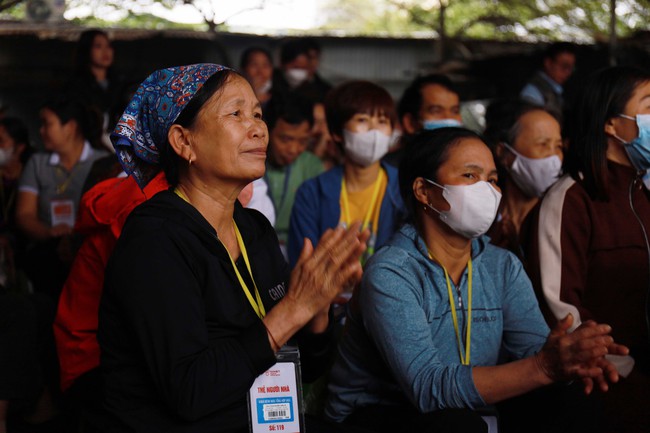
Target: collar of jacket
{"x": 410, "y": 240}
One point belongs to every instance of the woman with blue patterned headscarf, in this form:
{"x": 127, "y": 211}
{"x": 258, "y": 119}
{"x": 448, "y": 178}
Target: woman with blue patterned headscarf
{"x": 197, "y": 297}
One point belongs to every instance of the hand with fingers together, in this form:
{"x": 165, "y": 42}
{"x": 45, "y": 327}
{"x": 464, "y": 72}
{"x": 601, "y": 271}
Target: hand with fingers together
{"x": 580, "y": 354}
{"x": 319, "y": 277}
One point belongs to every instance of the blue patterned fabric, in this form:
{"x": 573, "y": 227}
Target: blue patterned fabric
{"x": 151, "y": 112}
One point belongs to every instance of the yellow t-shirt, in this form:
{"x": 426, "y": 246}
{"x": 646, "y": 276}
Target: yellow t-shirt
{"x": 358, "y": 204}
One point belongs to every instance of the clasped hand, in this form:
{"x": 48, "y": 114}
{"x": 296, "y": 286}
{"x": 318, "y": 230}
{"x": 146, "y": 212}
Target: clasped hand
{"x": 580, "y": 354}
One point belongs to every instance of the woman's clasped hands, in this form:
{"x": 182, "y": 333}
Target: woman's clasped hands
{"x": 319, "y": 277}
{"x": 580, "y": 354}
{"x": 322, "y": 273}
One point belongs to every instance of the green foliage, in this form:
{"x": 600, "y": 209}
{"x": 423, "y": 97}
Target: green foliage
{"x": 367, "y": 17}
{"x": 137, "y": 21}
{"x": 491, "y": 19}
{"x": 12, "y": 9}
{"x": 133, "y": 13}
{"x": 533, "y": 20}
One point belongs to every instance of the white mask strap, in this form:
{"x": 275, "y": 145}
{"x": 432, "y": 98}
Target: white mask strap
{"x": 429, "y": 204}
{"x": 433, "y": 183}
{"x": 511, "y": 149}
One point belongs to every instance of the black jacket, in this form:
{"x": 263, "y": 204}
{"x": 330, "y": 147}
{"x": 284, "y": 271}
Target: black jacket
{"x": 180, "y": 343}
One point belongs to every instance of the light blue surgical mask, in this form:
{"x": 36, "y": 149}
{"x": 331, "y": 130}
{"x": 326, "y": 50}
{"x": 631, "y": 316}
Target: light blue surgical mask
{"x": 638, "y": 150}
{"x": 432, "y": 124}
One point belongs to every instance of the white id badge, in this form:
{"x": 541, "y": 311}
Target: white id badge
{"x": 275, "y": 399}
{"x": 62, "y": 212}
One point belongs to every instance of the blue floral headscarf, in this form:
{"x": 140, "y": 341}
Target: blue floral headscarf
{"x": 156, "y": 105}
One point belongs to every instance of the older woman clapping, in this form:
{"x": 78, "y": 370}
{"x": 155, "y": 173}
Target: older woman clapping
{"x": 198, "y": 297}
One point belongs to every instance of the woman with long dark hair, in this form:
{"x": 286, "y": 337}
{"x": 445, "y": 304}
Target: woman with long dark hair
{"x": 590, "y": 253}
{"x": 95, "y": 81}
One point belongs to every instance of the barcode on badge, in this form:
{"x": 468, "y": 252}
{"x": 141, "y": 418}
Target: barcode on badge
{"x": 277, "y": 412}
{"x": 277, "y": 409}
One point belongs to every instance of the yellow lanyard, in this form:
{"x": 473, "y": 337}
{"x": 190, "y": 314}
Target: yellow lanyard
{"x": 373, "y": 201}
{"x": 62, "y": 187}
{"x": 463, "y": 359}
{"x": 256, "y": 303}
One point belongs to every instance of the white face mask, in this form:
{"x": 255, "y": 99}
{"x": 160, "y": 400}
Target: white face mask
{"x": 472, "y": 207}
{"x": 5, "y": 156}
{"x": 365, "y": 148}
{"x": 534, "y": 175}
{"x": 395, "y": 139}
{"x": 295, "y": 77}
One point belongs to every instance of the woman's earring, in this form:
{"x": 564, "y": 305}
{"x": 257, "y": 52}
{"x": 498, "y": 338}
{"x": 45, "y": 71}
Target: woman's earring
{"x": 189, "y": 162}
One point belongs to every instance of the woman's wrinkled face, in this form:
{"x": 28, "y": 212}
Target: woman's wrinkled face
{"x": 539, "y": 136}
{"x": 229, "y": 137}
{"x": 101, "y": 52}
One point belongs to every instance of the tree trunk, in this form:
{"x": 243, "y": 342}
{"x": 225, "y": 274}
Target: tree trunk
{"x": 442, "y": 33}
{"x": 613, "y": 41}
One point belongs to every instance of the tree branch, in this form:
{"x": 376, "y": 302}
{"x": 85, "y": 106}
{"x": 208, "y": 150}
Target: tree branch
{"x": 4, "y": 5}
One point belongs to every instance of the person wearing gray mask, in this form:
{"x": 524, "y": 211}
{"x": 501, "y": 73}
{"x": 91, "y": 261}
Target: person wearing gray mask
{"x": 527, "y": 145}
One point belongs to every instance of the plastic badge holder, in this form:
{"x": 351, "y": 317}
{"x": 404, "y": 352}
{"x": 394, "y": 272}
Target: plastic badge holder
{"x": 275, "y": 401}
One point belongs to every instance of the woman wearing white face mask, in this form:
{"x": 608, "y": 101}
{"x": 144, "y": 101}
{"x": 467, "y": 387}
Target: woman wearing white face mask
{"x": 360, "y": 116}
{"x": 589, "y": 253}
{"x": 439, "y": 306}
{"x": 527, "y": 145}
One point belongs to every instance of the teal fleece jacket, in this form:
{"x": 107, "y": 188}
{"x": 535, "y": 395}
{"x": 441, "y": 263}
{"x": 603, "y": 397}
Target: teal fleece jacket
{"x": 400, "y": 347}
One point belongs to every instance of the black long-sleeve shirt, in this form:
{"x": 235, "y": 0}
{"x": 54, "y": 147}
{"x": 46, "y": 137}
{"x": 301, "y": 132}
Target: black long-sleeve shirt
{"x": 181, "y": 345}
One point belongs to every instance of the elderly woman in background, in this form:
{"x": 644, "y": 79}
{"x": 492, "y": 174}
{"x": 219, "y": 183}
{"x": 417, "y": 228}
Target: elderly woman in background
{"x": 197, "y": 297}
{"x": 526, "y": 142}
{"x": 439, "y": 306}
